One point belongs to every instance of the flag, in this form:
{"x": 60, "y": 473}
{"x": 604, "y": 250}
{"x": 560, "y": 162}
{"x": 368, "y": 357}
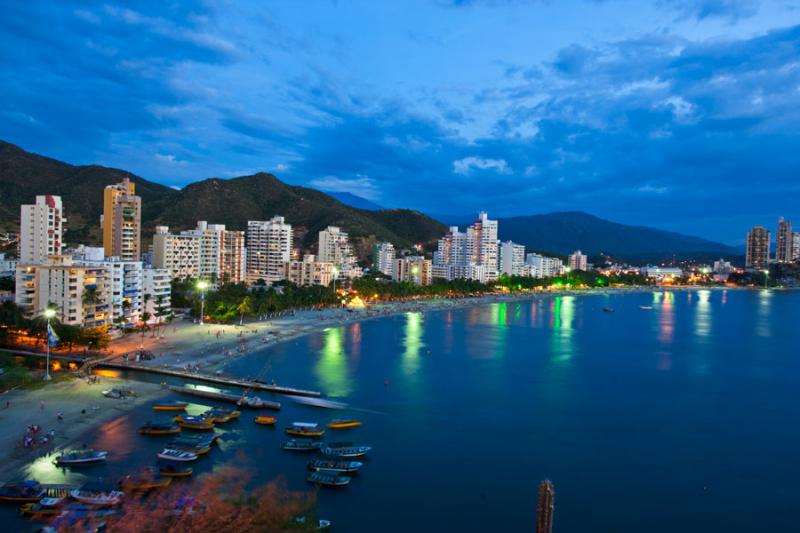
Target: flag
{"x": 52, "y": 338}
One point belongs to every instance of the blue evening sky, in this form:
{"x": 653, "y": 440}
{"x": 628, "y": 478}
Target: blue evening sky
{"x": 680, "y": 114}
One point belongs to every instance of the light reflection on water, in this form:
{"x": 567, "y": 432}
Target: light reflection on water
{"x": 412, "y": 343}
{"x": 561, "y": 339}
{"x": 763, "y": 322}
{"x": 331, "y": 368}
{"x": 702, "y": 314}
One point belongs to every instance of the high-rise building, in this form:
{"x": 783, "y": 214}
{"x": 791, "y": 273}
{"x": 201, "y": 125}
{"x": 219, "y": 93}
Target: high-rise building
{"x": 334, "y": 247}
{"x": 178, "y": 254}
{"x": 413, "y": 269}
{"x": 784, "y": 242}
{"x": 309, "y": 271}
{"x": 542, "y": 266}
{"x": 512, "y": 258}
{"x": 156, "y": 283}
{"x": 545, "y": 507}
{"x": 122, "y": 221}
{"x": 41, "y": 229}
{"x": 450, "y": 257}
{"x": 578, "y": 261}
{"x": 482, "y": 246}
{"x": 796, "y": 246}
{"x": 383, "y": 257}
{"x": 208, "y": 252}
{"x": 269, "y": 248}
{"x": 758, "y": 242}
{"x": 472, "y": 254}
{"x": 722, "y": 267}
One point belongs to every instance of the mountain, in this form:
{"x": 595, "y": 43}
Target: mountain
{"x": 565, "y": 232}
{"x": 221, "y": 201}
{"x": 354, "y": 201}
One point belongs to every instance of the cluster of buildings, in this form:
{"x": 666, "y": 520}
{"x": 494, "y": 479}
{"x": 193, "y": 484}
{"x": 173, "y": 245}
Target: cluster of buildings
{"x": 759, "y": 246}
{"x": 89, "y": 286}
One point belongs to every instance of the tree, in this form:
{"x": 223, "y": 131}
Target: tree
{"x": 244, "y": 308}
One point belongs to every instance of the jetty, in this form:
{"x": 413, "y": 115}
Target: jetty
{"x": 207, "y": 378}
{"x": 242, "y": 401}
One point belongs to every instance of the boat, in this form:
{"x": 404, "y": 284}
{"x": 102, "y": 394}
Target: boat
{"x": 302, "y": 445}
{"x": 80, "y": 457}
{"x": 97, "y": 494}
{"x": 266, "y": 420}
{"x": 322, "y": 525}
{"x": 170, "y": 406}
{"x": 646, "y": 307}
{"x": 344, "y": 423}
{"x": 119, "y": 393}
{"x": 345, "y": 449}
{"x": 330, "y": 465}
{"x": 24, "y": 491}
{"x": 173, "y": 470}
{"x": 319, "y": 402}
{"x": 220, "y": 416}
{"x": 170, "y": 454}
{"x": 232, "y": 414}
{"x": 192, "y": 440}
{"x": 608, "y": 309}
{"x": 145, "y": 481}
{"x": 198, "y": 449}
{"x": 44, "y": 507}
{"x": 330, "y": 480}
{"x": 305, "y": 429}
{"x": 251, "y": 402}
{"x": 196, "y": 423}
{"x": 153, "y": 428}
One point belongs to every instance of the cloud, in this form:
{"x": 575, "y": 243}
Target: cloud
{"x": 732, "y": 10}
{"x": 468, "y": 164}
{"x": 363, "y": 186}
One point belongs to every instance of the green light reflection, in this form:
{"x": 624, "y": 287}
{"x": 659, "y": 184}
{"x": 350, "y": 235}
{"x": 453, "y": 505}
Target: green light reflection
{"x": 412, "y": 342}
{"x": 562, "y": 337}
{"x": 331, "y": 367}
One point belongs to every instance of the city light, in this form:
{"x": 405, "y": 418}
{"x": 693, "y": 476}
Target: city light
{"x": 49, "y": 313}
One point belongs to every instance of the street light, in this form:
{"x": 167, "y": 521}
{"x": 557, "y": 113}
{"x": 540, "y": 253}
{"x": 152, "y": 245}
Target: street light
{"x": 202, "y": 285}
{"x": 48, "y": 314}
{"x": 766, "y": 277}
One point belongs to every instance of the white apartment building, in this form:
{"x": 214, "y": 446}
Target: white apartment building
{"x": 512, "y": 258}
{"x": 660, "y": 273}
{"x": 334, "y": 247}
{"x": 208, "y": 252}
{"x": 578, "y": 261}
{"x": 269, "y": 248}
{"x": 482, "y": 246}
{"x": 8, "y": 267}
{"x": 309, "y": 271}
{"x": 41, "y": 229}
{"x": 472, "y": 254}
{"x": 542, "y": 266}
{"x": 157, "y": 283}
{"x": 178, "y": 254}
{"x": 796, "y": 246}
{"x": 414, "y": 269}
{"x": 383, "y": 254}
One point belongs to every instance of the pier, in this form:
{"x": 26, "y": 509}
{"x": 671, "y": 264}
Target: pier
{"x": 206, "y": 378}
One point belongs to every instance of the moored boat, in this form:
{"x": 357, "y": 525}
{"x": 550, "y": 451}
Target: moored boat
{"x": 196, "y": 423}
{"x": 24, "y": 491}
{"x": 330, "y": 465}
{"x": 154, "y": 428}
{"x": 305, "y": 429}
{"x": 345, "y": 449}
{"x": 301, "y": 445}
{"x": 192, "y": 440}
{"x": 608, "y": 309}
{"x": 170, "y": 454}
{"x": 322, "y": 524}
{"x": 80, "y": 457}
{"x": 146, "y": 481}
{"x": 266, "y": 420}
{"x": 44, "y": 507}
{"x": 97, "y": 494}
{"x": 330, "y": 480}
{"x": 198, "y": 449}
{"x": 344, "y": 424}
{"x": 170, "y": 406}
{"x": 172, "y": 470}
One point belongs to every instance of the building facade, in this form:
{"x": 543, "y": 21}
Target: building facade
{"x": 578, "y": 261}
{"x": 335, "y": 247}
{"x": 156, "y": 283}
{"x": 473, "y": 254}
{"x": 41, "y": 229}
{"x": 383, "y": 255}
{"x": 309, "y": 271}
{"x": 122, "y": 221}
{"x": 178, "y": 254}
{"x": 8, "y": 266}
{"x": 482, "y": 247}
{"x": 758, "y": 243}
{"x": 796, "y": 246}
{"x": 210, "y": 252}
{"x": 413, "y": 269}
{"x": 542, "y": 266}
{"x": 784, "y": 242}
{"x": 512, "y": 258}
{"x": 269, "y": 248}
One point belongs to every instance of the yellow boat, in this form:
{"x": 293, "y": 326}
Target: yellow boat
{"x": 266, "y": 420}
{"x": 170, "y": 406}
{"x": 144, "y": 482}
{"x": 46, "y": 507}
{"x": 175, "y": 471}
{"x": 194, "y": 422}
{"x": 159, "y": 429}
{"x": 220, "y": 416}
{"x": 344, "y": 424}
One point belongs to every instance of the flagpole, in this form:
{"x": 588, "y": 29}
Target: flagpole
{"x": 48, "y": 313}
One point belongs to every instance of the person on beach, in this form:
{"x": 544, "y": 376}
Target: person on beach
{"x": 41, "y": 405}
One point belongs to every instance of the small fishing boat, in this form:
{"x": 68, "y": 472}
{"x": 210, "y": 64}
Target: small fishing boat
{"x": 608, "y": 309}
{"x": 231, "y": 414}
{"x": 328, "y": 465}
{"x": 266, "y": 420}
{"x": 192, "y": 440}
{"x": 80, "y": 457}
{"x": 345, "y": 449}
{"x": 45, "y": 507}
{"x": 301, "y": 445}
{"x": 170, "y": 454}
{"x": 170, "y": 406}
{"x": 173, "y": 470}
{"x": 143, "y": 482}
{"x": 24, "y": 491}
{"x": 196, "y": 423}
{"x": 344, "y": 423}
{"x": 198, "y": 449}
{"x": 153, "y": 428}
{"x": 97, "y": 494}
{"x": 305, "y": 429}
{"x": 322, "y": 525}
{"x": 329, "y": 480}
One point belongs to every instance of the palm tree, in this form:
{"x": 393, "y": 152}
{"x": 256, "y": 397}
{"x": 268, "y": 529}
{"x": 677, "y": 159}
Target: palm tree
{"x": 91, "y": 297}
{"x": 244, "y": 307}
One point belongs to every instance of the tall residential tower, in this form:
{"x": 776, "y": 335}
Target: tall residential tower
{"x": 784, "y": 242}
{"x": 757, "y": 248}
{"x": 122, "y": 221}
{"x": 41, "y": 229}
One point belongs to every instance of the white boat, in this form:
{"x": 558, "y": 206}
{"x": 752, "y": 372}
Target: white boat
{"x": 97, "y": 494}
{"x": 169, "y": 454}
{"x": 81, "y": 457}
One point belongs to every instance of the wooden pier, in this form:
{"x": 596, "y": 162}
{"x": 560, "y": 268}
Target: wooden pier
{"x": 206, "y": 378}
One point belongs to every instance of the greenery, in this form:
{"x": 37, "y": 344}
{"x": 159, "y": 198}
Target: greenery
{"x": 369, "y": 286}
{"x": 7, "y": 283}
{"x": 70, "y": 337}
{"x": 575, "y": 278}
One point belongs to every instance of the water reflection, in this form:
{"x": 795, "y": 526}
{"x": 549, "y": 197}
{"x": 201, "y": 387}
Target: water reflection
{"x": 763, "y": 322}
{"x": 331, "y": 368}
{"x": 702, "y": 314}
{"x": 562, "y": 337}
{"x": 666, "y": 318}
{"x": 355, "y": 341}
{"x": 412, "y": 343}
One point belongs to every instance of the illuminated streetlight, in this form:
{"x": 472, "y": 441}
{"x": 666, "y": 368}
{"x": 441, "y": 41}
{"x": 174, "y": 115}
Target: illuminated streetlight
{"x": 202, "y": 285}
{"x": 766, "y": 277}
{"x": 48, "y": 314}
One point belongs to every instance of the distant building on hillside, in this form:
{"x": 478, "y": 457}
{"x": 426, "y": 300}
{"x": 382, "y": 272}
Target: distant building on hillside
{"x": 543, "y": 267}
{"x": 309, "y": 271}
{"x": 784, "y": 242}
{"x": 578, "y": 261}
{"x": 545, "y": 507}
{"x": 269, "y": 248}
{"x": 758, "y": 242}
{"x": 414, "y": 269}
{"x": 335, "y": 247}
{"x": 41, "y": 229}
{"x": 122, "y": 221}
{"x": 512, "y": 258}
{"x": 722, "y": 267}
{"x": 383, "y": 254}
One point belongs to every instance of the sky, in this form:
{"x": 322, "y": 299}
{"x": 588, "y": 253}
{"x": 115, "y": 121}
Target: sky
{"x": 678, "y": 114}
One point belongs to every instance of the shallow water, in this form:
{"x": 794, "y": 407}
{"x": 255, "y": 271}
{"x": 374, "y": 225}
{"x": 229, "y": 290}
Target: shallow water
{"x": 678, "y": 418}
